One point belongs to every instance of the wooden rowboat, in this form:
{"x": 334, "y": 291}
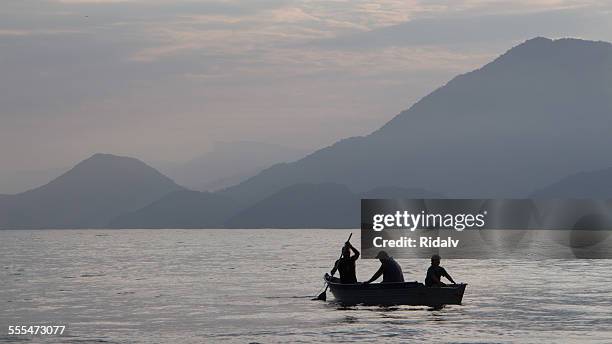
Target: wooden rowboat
{"x": 401, "y": 293}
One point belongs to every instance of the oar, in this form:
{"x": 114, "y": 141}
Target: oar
{"x": 323, "y": 295}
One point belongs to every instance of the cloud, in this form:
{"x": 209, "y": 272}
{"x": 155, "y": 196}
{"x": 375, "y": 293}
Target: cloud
{"x": 291, "y": 15}
{"x": 195, "y": 71}
{"x": 14, "y": 32}
{"x": 465, "y": 30}
{"x": 17, "y": 32}
{"x": 94, "y": 1}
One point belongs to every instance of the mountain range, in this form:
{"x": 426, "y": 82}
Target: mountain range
{"x": 227, "y": 164}
{"x": 536, "y": 114}
{"x": 536, "y": 118}
{"x": 180, "y": 209}
{"x": 591, "y": 184}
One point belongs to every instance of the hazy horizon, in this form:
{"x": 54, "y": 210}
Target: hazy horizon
{"x": 163, "y": 80}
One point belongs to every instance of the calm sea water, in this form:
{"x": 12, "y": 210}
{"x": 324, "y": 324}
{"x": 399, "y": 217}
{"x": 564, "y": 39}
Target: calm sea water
{"x": 195, "y": 286}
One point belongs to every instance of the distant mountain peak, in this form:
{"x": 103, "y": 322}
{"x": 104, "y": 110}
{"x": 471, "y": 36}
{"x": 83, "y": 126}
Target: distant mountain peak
{"x": 92, "y": 193}
{"x": 107, "y": 157}
{"x": 543, "y": 43}
{"x": 542, "y": 48}
{"x": 101, "y": 163}
{"x": 535, "y": 41}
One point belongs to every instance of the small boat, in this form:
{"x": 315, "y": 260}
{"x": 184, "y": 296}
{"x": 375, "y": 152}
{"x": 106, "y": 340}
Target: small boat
{"x": 400, "y": 293}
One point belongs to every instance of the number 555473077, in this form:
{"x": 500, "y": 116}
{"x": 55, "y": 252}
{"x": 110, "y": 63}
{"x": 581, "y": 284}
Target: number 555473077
{"x": 36, "y": 329}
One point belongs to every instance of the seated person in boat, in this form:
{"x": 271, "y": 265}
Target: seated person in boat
{"x": 390, "y": 270}
{"x": 346, "y": 264}
{"x": 435, "y": 272}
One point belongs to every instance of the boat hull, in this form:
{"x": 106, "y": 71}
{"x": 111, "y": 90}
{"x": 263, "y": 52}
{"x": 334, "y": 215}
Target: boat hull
{"x": 404, "y": 293}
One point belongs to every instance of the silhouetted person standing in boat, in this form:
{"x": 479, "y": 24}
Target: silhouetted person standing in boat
{"x": 435, "y": 272}
{"x": 390, "y": 270}
{"x": 346, "y": 264}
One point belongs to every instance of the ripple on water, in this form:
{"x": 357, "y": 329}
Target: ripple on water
{"x": 191, "y": 286}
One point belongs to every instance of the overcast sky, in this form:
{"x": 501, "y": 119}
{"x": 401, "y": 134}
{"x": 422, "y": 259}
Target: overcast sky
{"x": 163, "y": 79}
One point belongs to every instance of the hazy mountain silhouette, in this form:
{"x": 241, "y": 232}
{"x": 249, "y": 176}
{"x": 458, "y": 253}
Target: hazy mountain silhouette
{"x": 89, "y": 195}
{"x": 228, "y": 163}
{"x": 303, "y": 206}
{"x": 181, "y": 209}
{"x": 537, "y": 113}
{"x": 325, "y": 205}
{"x": 595, "y": 184}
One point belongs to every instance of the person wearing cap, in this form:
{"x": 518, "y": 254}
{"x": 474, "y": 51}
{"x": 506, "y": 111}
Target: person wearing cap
{"x": 390, "y": 270}
{"x": 435, "y": 272}
{"x": 346, "y": 264}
